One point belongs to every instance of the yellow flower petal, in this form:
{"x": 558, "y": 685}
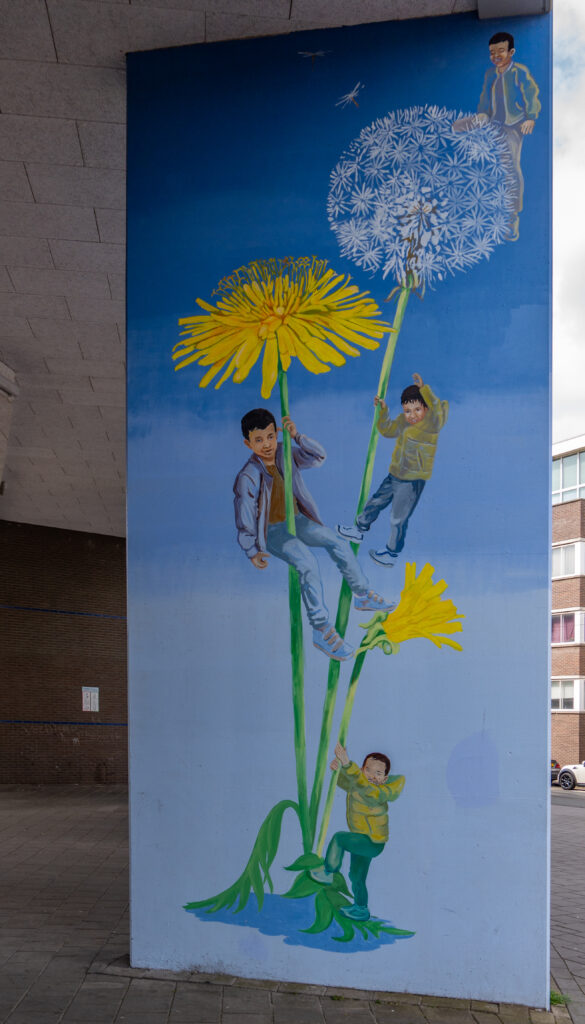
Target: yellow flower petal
{"x": 290, "y": 308}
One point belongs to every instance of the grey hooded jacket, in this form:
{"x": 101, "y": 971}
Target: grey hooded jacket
{"x": 253, "y": 488}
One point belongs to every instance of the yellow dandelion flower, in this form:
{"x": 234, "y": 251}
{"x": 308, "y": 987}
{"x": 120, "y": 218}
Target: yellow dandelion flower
{"x": 285, "y": 308}
{"x": 421, "y": 612}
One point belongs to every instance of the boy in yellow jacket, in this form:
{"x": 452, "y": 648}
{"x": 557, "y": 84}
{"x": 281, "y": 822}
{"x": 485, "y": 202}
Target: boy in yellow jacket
{"x": 416, "y": 430}
{"x": 369, "y": 791}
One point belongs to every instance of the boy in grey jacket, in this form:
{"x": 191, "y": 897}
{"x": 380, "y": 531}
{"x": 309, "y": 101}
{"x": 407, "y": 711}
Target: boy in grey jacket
{"x": 262, "y": 531}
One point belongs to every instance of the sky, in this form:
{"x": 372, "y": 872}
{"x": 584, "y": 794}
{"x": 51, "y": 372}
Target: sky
{"x": 569, "y": 243}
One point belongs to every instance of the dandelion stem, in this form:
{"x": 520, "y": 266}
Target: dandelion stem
{"x": 343, "y": 729}
{"x": 344, "y": 603}
{"x": 296, "y": 632}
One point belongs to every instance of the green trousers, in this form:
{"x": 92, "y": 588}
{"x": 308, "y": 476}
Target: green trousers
{"x": 362, "y": 850}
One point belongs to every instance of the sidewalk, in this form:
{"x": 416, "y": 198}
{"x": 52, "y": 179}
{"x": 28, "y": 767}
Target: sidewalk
{"x": 64, "y": 934}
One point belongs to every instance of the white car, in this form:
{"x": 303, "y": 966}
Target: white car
{"x": 572, "y": 775}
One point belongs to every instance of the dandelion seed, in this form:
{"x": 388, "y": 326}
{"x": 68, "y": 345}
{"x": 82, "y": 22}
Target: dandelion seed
{"x": 350, "y": 97}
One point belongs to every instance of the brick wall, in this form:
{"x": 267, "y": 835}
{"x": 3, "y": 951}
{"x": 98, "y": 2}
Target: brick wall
{"x": 568, "y": 661}
{"x": 568, "y": 520}
{"x": 569, "y": 593}
{"x": 62, "y": 624}
{"x": 568, "y": 736}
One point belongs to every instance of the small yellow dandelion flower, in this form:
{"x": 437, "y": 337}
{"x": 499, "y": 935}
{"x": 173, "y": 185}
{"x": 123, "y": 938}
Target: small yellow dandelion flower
{"x": 285, "y": 308}
{"x": 422, "y": 612}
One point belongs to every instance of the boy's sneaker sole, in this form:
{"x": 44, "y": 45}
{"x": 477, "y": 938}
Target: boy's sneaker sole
{"x": 383, "y": 557}
{"x": 332, "y": 644}
{"x": 350, "y": 533}
{"x": 355, "y": 913}
{"x": 367, "y": 604}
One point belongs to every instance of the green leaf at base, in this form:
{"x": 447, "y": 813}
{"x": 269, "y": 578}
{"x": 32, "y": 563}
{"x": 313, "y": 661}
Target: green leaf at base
{"x": 305, "y": 862}
{"x": 256, "y": 874}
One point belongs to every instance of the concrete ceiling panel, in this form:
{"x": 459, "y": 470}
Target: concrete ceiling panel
{"x": 43, "y": 140}
{"x": 14, "y": 184}
{"x": 36, "y": 220}
{"x": 26, "y": 32}
{"x": 25, "y": 252}
{"x": 111, "y": 225}
{"x": 60, "y": 90}
{"x": 103, "y": 145}
{"x": 93, "y": 32}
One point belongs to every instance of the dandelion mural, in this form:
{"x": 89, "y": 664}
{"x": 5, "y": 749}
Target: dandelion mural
{"x": 246, "y": 806}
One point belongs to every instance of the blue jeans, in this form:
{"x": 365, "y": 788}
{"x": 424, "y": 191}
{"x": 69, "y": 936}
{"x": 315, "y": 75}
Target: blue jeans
{"x": 295, "y": 551}
{"x": 514, "y": 138}
{"x": 404, "y": 496}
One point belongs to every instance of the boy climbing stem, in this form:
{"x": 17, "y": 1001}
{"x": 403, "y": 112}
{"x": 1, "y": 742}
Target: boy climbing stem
{"x": 369, "y": 791}
{"x": 259, "y": 504}
{"x": 416, "y": 431}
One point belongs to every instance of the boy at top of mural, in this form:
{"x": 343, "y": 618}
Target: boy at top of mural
{"x": 369, "y": 791}
{"x": 259, "y": 504}
{"x": 509, "y": 99}
{"x": 416, "y": 431}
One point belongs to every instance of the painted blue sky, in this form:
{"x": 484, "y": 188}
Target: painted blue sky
{"x": 218, "y": 180}
{"x": 227, "y": 165}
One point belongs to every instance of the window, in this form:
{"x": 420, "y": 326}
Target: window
{"x": 563, "y": 628}
{"x": 562, "y": 694}
{"x": 568, "y": 478}
{"x": 563, "y": 560}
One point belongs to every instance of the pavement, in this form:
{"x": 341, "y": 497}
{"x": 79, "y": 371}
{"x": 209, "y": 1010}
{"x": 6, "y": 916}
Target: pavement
{"x": 64, "y": 930}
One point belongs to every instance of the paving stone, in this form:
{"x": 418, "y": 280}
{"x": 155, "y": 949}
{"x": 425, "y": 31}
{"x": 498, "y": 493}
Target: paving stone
{"x": 348, "y": 993}
{"x": 482, "y": 1017}
{"x": 446, "y": 1014}
{"x": 150, "y": 996}
{"x": 295, "y": 986}
{"x": 399, "y": 1013}
{"x": 195, "y": 1003}
{"x": 346, "y": 1011}
{"x": 246, "y": 1018}
{"x": 481, "y": 1004}
{"x": 246, "y": 1000}
{"x": 398, "y": 997}
{"x": 297, "y": 1009}
{"x": 512, "y": 1014}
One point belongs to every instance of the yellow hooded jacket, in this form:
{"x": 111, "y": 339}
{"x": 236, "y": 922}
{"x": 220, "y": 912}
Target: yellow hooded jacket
{"x": 367, "y": 804}
{"x": 415, "y": 449}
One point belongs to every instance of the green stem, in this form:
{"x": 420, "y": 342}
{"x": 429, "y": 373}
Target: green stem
{"x": 344, "y": 603}
{"x": 296, "y": 632}
{"x": 343, "y": 729}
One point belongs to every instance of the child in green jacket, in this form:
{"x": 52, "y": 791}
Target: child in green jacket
{"x": 369, "y": 791}
{"x": 416, "y": 431}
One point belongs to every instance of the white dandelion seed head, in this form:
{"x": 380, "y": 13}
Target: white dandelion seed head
{"x": 412, "y": 198}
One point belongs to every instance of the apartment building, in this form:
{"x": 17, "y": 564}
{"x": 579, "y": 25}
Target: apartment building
{"x": 568, "y": 601}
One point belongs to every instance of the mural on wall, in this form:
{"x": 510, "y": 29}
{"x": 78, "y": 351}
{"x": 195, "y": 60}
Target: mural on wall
{"x": 372, "y": 239}
{"x": 282, "y": 309}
